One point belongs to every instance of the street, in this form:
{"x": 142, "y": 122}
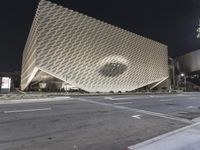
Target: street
{"x": 94, "y": 122}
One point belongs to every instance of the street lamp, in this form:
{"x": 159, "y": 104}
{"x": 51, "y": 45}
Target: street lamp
{"x": 198, "y": 31}
{"x": 184, "y": 76}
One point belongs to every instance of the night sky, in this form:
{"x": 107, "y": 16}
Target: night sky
{"x": 171, "y": 22}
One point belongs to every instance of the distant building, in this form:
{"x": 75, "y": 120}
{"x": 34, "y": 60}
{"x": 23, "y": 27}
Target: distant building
{"x": 188, "y": 66}
{"x": 68, "y": 49}
{"x": 189, "y": 62}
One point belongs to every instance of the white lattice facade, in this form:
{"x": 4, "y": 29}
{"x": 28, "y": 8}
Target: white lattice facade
{"x": 90, "y": 54}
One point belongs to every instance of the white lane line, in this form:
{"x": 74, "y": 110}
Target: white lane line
{"x": 62, "y": 97}
{"x": 121, "y": 98}
{"x": 159, "y": 96}
{"x": 123, "y": 103}
{"x": 110, "y": 98}
{"x": 115, "y": 99}
{"x": 190, "y": 107}
{"x": 166, "y": 100}
{"x": 194, "y": 98}
{"x": 137, "y": 116}
{"x": 26, "y": 110}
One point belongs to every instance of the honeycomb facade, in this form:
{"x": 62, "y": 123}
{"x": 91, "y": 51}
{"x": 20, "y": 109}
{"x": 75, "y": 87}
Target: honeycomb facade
{"x": 90, "y": 54}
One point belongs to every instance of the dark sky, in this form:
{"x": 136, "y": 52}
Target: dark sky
{"x": 171, "y": 22}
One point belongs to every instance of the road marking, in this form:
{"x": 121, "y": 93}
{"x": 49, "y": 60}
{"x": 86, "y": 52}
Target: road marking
{"x": 194, "y": 98}
{"x": 121, "y": 98}
{"x": 108, "y": 98}
{"x": 123, "y": 103}
{"x": 115, "y": 99}
{"x": 190, "y": 107}
{"x": 62, "y": 97}
{"x": 137, "y": 116}
{"x": 159, "y": 96}
{"x": 166, "y": 100}
{"x": 26, "y": 110}
{"x": 166, "y": 116}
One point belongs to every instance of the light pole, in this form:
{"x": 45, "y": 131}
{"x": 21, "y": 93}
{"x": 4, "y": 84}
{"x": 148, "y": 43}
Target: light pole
{"x": 198, "y": 31}
{"x": 172, "y": 68}
{"x": 184, "y": 77}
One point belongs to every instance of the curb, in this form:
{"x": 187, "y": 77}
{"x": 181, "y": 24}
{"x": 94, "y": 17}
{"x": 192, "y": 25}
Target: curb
{"x": 153, "y": 140}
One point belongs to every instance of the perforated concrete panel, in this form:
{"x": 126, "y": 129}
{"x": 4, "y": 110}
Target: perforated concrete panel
{"x": 90, "y": 54}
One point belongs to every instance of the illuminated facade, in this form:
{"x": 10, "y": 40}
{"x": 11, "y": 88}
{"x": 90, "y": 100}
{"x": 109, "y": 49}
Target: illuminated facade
{"x": 89, "y": 54}
{"x": 189, "y": 62}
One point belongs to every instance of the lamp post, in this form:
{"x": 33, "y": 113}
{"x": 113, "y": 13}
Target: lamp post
{"x": 198, "y": 31}
{"x": 172, "y": 68}
{"x": 184, "y": 77}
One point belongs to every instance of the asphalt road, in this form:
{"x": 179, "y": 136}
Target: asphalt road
{"x": 93, "y": 123}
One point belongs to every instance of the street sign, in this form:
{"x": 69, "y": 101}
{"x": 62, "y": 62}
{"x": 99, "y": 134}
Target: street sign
{"x": 5, "y": 84}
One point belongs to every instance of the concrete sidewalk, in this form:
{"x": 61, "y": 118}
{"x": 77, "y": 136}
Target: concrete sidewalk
{"x": 187, "y": 138}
